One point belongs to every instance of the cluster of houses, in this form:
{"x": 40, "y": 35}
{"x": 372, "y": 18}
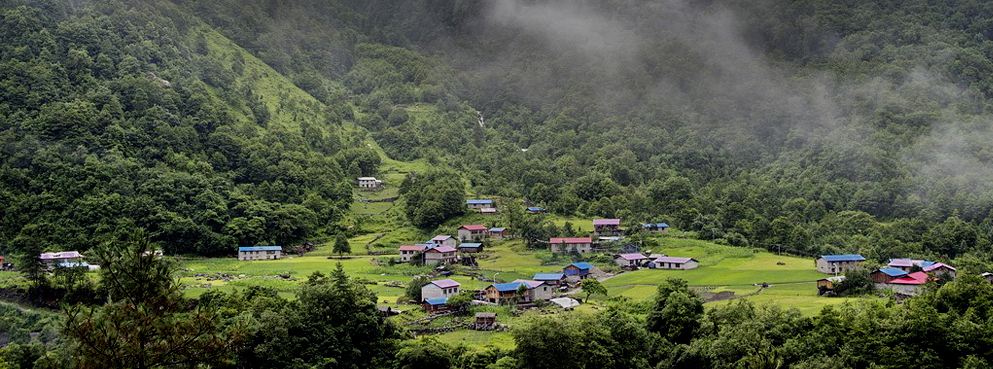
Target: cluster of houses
{"x": 541, "y": 287}
{"x": 605, "y": 230}
{"x": 903, "y": 276}
{"x": 445, "y": 249}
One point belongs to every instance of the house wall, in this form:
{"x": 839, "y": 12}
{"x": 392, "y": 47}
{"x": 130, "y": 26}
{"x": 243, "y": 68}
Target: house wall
{"x": 259, "y": 255}
{"x": 574, "y": 271}
{"x": 431, "y": 291}
{"x": 435, "y": 258}
{"x": 466, "y": 235}
{"x": 905, "y": 289}
{"x": 582, "y": 248}
{"x": 408, "y": 255}
{"x": 824, "y": 266}
{"x": 450, "y": 242}
{"x": 541, "y": 293}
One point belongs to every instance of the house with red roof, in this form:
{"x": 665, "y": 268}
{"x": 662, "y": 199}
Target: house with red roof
{"x": 940, "y": 270}
{"x": 439, "y": 255}
{"x": 630, "y": 261}
{"x": 563, "y": 245}
{"x": 411, "y": 252}
{"x": 441, "y": 288}
{"x": 909, "y": 285}
{"x": 472, "y": 232}
{"x": 607, "y": 227}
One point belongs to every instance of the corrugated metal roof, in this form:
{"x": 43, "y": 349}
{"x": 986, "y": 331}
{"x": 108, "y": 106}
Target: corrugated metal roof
{"x": 674, "y": 259}
{"x": 507, "y": 287}
{"x": 902, "y": 262}
{"x": 582, "y": 265}
{"x": 437, "y": 301}
{"x": 497, "y": 229}
{"x": 597, "y": 222}
{"x": 636, "y": 256}
{"x": 548, "y": 276}
{"x": 479, "y": 201}
{"x": 445, "y": 283}
{"x": 893, "y": 272}
{"x": 843, "y": 257}
{"x": 441, "y": 249}
{"x": 470, "y": 245}
{"x": 260, "y": 248}
{"x": 937, "y": 266}
{"x": 60, "y": 255}
{"x": 473, "y": 227}
{"x": 564, "y": 240}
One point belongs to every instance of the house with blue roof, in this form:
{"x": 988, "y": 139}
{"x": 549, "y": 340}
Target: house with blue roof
{"x": 503, "y": 292}
{"x": 837, "y": 264}
{"x": 260, "y": 252}
{"x": 580, "y": 269}
{"x": 436, "y": 304}
{"x": 477, "y": 204}
{"x": 885, "y": 275}
{"x": 470, "y": 247}
{"x": 552, "y": 279}
{"x": 655, "y": 227}
{"x": 535, "y": 210}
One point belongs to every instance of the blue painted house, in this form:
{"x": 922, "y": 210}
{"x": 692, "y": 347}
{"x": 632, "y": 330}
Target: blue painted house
{"x": 579, "y": 269}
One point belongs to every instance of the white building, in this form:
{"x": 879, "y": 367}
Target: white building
{"x": 442, "y": 288}
{"x": 260, "y": 252}
{"x": 672, "y": 262}
{"x": 370, "y": 183}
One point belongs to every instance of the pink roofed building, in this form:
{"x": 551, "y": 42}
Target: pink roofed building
{"x": 674, "y": 262}
{"x": 439, "y": 255}
{"x": 630, "y": 261}
{"x": 410, "y": 252}
{"x": 55, "y": 258}
{"x": 909, "y": 285}
{"x": 607, "y": 227}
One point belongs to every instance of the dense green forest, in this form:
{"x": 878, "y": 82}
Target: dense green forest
{"x": 809, "y": 126}
{"x": 805, "y": 126}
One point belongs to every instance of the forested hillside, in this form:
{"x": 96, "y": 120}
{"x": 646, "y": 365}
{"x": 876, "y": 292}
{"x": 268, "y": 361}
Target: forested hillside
{"x": 809, "y": 126}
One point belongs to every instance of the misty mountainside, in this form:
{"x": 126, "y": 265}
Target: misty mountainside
{"x": 810, "y": 126}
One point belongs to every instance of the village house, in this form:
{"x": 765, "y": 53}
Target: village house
{"x": 61, "y": 258}
{"x": 441, "y": 288}
{"x": 939, "y": 270}
{"x": 535, "y": 210}
{"x": 498, "y": 233}
{"x": 485, "y": 321}
{"x": 370, "y": 183}
{"x": 436, "y": 305}
{"x": 411, "y": 252}
{"x": 909, "y": 285}
{"x": 260, "y": 252}
{"x": 472, "y": 232}
{"x": 630, "y": 261}
{"x": 885, "y": 275}
{"x": 476, "y": 204}
{"x": 439, "y": 255}
{"x": 504, "y": 292}
{"x": 537, "y": 290}
{"x": 607, "y": 227}
{"x": 551, "y": 279}
{"x": 579, "y": 269}
{"x": 674, "y": 262}
{"x": 988, "y": 276}
{"x": 444, "y": 240}
{"x": 561, "y": 245}
{"x": 827, "y": 284}
{"x": 837, "y": 264}
{"x": 488, "y": 211}
{"x": 655, "y": 227}
{"x": 470, "y": 247}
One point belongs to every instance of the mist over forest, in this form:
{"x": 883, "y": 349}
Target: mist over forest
{"x": 157, "y": 137}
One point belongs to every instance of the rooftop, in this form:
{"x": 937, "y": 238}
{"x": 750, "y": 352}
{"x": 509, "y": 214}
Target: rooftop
{"x": 843, "y": 257}
{"x": 470, "y": 245}
{"x": 479, "y": 202}
{"x": 497, "y": 229}
{"x": 564, "y": 240}
{"x": 893, "y": 272}
{"x": 606, "y": 222}
{"x": 582, "y": 265}
{"x": 548, "y": 276}
{"x": 60, "y": 255}
{"x": 437, "y": 301}
{"x": 260, "y": 248}
{"x": 441, "y": 249}
{"x": 636, "y": 256}
{"x": 674, "y": 259}
{"x": 473, "y": 227}
{"x": 412, "y": 248}
{"x": 445, "y": 283}
{"x": 507, "y": 287}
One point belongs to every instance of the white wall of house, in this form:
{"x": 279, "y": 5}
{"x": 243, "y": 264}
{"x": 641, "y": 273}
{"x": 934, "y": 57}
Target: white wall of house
{"x": 259, "y": 255}
{"x": 435, "y": 258}
{"x": 542, "y": 292}
{"x": 582, "y": 248}
{"x": 431, "y": 291}
{"x": 836, "y": 267}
